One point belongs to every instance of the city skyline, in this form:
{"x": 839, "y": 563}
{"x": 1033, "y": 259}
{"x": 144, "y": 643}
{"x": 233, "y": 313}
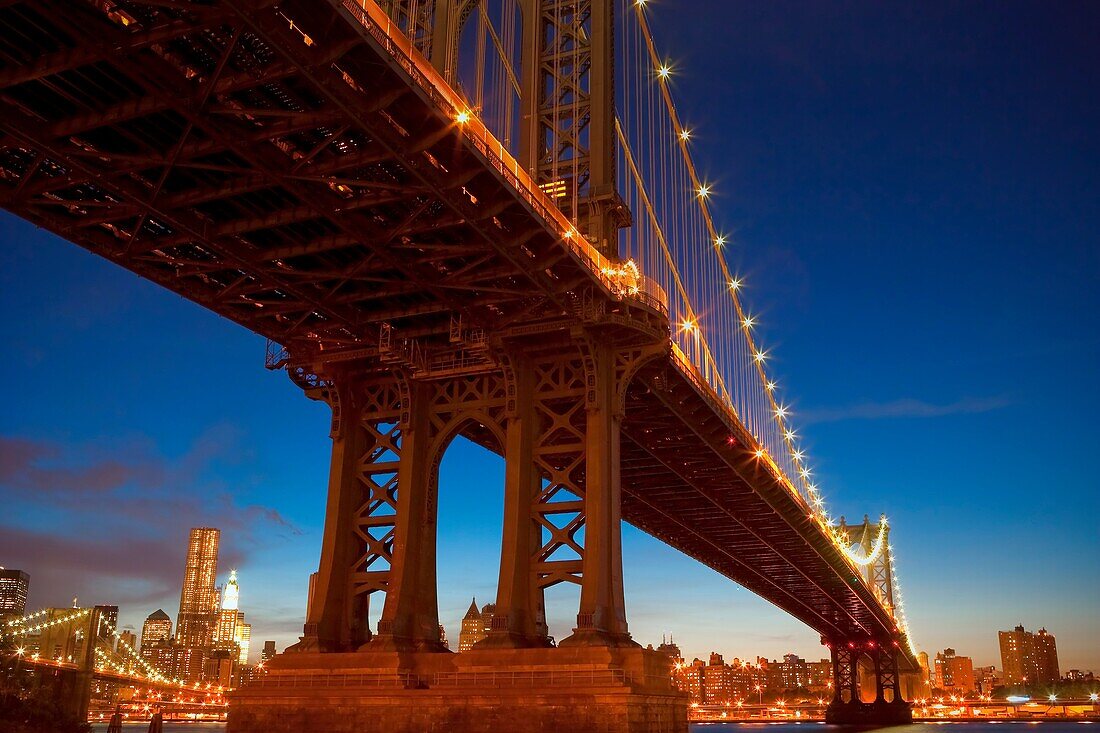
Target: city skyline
{"x": 181, "y": 422}
{"x": 474, "y": 624}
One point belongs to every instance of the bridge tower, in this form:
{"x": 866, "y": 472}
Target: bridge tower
{"x": 549, "y": 401}
{"x": 568, "y": 112}
{"x": 553, "y": 410}
{"x": 566, "y": 77}
{"x": 868, "y": 683}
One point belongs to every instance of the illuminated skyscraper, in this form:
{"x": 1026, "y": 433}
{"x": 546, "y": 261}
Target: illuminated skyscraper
{"x": 244, "y": 639}
{"x": 268, "y": 651}
{"x": 157, "y": 630}
{"x": 14, "y": 585}
{"x": 475, "y": 625}
{"x": 156, "y": 642}
{"x": 229, "y": 616}
{"x": 198, "y": 599}
{"x": 108, "y": 615}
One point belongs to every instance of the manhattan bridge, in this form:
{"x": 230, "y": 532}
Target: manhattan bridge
{"x": 475, "y": 218}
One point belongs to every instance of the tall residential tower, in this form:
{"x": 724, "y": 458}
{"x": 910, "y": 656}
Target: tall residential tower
{"x": 1028, "y": 658}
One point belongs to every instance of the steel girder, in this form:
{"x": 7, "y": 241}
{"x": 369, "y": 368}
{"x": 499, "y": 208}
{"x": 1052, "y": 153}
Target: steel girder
{"x": 272, "y": 164}
{"x": 279, "y": 166}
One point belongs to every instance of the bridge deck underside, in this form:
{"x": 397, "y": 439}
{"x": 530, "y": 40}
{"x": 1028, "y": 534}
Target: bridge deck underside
{"x": 272, "y": 163}
{"x": 690, "y": 480}
{"x": 277, "y": 165}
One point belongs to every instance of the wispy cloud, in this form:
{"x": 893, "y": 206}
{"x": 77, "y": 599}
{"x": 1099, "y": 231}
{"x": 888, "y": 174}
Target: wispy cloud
{"x": 903, "y": 408}
{"x": 114, "y": 514}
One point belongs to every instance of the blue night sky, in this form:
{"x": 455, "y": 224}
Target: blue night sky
{"x": 915, "y": 195}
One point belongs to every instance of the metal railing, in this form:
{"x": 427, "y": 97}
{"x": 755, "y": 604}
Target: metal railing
{"x": 531, "y": 678}
{"x": 393, "y": 40}
{"x": 404, "y": 680}
{"x": 482, "y": 678}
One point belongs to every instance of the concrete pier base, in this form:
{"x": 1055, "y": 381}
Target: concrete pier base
{"x": 897, "y": 712}
{"x": 571, "y": 690}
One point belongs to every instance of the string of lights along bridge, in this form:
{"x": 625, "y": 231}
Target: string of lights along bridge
{"x": 476, "y": 218}
{"x": 134, "y": 667}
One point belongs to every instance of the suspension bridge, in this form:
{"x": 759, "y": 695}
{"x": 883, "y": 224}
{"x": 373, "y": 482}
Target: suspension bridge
{"x": 456, "y": 217}
{"x": 77, "y": 652}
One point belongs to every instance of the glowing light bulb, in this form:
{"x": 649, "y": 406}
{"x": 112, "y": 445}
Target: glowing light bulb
{"x": 735, "y": 284}
{"x": 687, "y": 325}
{"x": 789, "y": 435}
{"x": 760, "y": 453}
{"x": 759, "y": 357}
{"x": 663, "y": 72}
{"x": 749, "y": 322}
{"x": 462, "y": 117}
{"x": 704, "y": 191}
{"x": 781, "y": 411}
{"x": 719, "y": 241}
{"x": 770, "y": 385}
{"x": 685, "y": 134}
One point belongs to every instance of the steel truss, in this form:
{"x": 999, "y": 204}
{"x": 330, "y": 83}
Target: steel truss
{"x": 867, "y": 663}
{"x": 288, "y": 166}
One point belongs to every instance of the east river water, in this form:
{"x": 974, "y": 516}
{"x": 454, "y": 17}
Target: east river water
{"x": 992, "y": 726}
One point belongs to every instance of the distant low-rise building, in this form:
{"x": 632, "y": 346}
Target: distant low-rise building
{"x": 790, "y": 674}
{"x": 820, "y": 676}
{"x": 670, "y": 649}
{"x": 717, "y": 681}
{"x": 987, "y": 678}
{"x": 126, "y": 638}
{"x": 689, "y": 678}
{"x": 954, "y": 674}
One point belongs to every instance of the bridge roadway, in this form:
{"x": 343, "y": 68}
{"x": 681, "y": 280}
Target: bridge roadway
{"x": 107, "y": 675}
{"x": 294, "y": 167}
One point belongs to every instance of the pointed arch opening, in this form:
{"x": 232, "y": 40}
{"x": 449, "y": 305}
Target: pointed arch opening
{"x": 469, "y": 480}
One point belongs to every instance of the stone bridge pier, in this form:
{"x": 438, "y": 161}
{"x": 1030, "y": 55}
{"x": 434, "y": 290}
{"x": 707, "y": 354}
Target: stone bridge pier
{"x": 554, "y": 414}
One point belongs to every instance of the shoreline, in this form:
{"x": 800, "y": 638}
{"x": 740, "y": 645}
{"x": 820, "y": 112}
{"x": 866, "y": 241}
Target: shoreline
{"x": 1087, "y": 719}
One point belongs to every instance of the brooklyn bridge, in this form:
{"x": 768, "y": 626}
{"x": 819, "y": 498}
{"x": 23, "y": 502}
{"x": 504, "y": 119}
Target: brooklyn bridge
{"x": 456, "y": 218}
